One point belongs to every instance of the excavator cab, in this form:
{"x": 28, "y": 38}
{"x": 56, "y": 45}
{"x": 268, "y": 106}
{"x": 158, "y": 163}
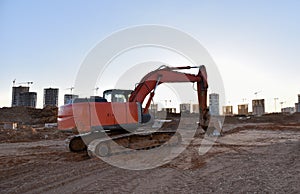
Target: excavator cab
{"x": 117, "y": 95}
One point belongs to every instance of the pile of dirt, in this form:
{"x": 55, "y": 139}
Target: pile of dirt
{"x": 29, "y": 116}
{"x": 29, "y": 134}
{"x": 269, "y": 127}
{"x": 277, "y": 118}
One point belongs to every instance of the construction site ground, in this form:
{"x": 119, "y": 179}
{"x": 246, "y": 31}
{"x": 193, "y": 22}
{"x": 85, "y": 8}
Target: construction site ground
{"x": 254, "y": 155}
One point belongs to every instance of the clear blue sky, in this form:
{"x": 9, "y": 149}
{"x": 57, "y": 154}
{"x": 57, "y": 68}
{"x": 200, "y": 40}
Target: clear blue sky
{"x": 255, "y": 43}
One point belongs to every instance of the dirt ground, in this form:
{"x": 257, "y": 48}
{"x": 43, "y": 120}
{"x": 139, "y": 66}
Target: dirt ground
{"x": 251, "y": 156}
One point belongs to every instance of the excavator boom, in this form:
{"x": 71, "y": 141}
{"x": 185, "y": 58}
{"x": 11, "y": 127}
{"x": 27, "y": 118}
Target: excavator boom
{"x": 166, "y": 74}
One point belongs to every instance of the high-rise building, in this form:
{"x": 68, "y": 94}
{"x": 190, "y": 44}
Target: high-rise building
{"x": 50, "y": 97}
{"x": 28, "y": 99}
{"x": 258, "y": 107}
{"x": 297, "y": 105}
{"x": 16, "y": 91}
{"x": 153, "y": 109}
{"x": 69, "y": 97}
{"x": 214, "y": 104}
{"x": 227, "y": 110}
{"x": 243, "y": 109}
{"x": 289, "y": 110}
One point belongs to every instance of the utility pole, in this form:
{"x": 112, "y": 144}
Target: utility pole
{"x": 275, "y": 103}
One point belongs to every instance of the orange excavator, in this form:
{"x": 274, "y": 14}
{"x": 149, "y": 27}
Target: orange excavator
{"x": 119, "y": 112}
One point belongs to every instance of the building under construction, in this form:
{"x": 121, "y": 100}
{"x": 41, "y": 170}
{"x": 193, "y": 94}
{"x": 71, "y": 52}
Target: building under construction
{"x": 169, "y": 110}
{"x": 297, "y": 105}
{"x": 153, "y": 109}
{"x": 288, "y": 110}
{"x": 258, "y": 107}
{"x": 185, "y": 108}
{"x": 50, "y": 97}
{"x": 69, "y": 97}
{"x": 28, "y": 99}
{"x": 16, "y": 91}
{"x": 195, "y": 108}
{"x": 243, "y": 109}
{"x": 227, "y": 110}
{"x": 214, "y": 104}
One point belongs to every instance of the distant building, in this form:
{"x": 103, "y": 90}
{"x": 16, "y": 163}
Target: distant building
{"x": 16, "y": 91}
{"x": 214, "y": 104}
{"x": 243, "y": 109}
{"x": 169, "y": 110}
{"x": 258, "y": 107}
{"x": 195, "y": 108}
{"x": 185, "y": 108}
{"x": 51, "y": 97}
{"x": 28, "y": 99}
{"x": 289, "y": 110}
{"x": 9, "y": 125}
{"x": 69, "y": 97}
{"x": 153, "y": 109}
{"x": 227, "y": 110}
{"x": 297, "y": 107}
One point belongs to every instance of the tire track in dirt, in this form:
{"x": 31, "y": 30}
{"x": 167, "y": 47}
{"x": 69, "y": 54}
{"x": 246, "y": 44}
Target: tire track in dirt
{"x": 70, "y": 182}
{"x": 114, "y": 180}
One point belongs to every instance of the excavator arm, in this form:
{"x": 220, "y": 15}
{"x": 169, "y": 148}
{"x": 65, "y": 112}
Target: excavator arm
{"x": 165, "y": 74}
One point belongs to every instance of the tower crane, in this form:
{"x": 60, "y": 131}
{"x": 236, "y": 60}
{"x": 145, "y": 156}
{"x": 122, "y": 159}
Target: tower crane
{"x": 255, "y": 93}
{"x": 28, "y": 83}
{"x": 71, "y": 89}
{"x": 96, "y": 90}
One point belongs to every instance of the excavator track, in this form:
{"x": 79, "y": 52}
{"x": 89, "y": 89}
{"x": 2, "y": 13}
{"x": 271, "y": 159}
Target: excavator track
{"x": 79, "y": 142}
{"x": 99, "y": 144}
{"x": 127, "y": 143}
{"x": 75, "y": 144}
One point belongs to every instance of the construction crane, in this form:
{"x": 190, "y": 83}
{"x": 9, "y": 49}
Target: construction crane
{"x": 120, "y": 111}
{"x": 281, "y": 103}
{"x": 255, "y": 93}
{"x": 28, "y": 83}
{"x": 71, "y": 89}
{"x": 96, "y": 90}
